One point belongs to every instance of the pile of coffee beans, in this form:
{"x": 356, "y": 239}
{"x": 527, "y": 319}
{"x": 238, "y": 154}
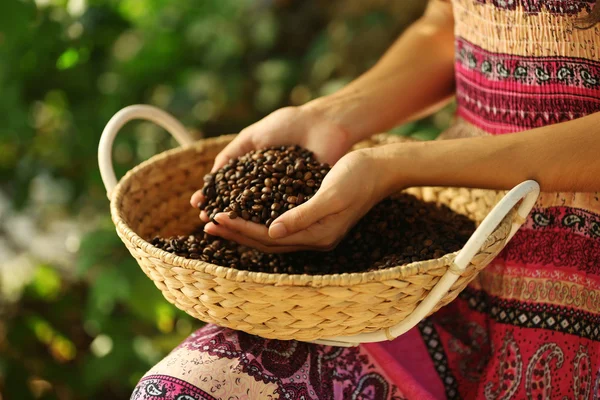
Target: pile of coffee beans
{"x": 397, "y": 231}
{"x": 263, "y": 184}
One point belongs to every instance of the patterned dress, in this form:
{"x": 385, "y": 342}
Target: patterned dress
{"x": 529, "y": 326}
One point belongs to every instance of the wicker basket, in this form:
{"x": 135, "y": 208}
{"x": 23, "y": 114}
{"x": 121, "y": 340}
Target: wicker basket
{"x": 342, "y": 309}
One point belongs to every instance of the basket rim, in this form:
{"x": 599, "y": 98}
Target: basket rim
{"x": 130, "y": 238}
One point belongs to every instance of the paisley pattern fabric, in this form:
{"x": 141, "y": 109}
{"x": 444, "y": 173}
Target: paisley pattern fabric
{"x": 219, "y": 363}
{"x": 529, "y": 326}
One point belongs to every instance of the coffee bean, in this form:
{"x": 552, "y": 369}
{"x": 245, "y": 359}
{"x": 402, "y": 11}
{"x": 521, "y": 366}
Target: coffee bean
{"x": 279, "y": 167}
{"x": 232, "y": 215}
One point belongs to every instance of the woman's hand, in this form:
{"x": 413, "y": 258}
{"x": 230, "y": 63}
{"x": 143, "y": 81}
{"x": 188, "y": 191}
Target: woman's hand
{"x": 352, "y": 187}
{"x": 305, "y": 126}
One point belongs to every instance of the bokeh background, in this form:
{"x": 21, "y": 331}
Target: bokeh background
{"x": 78, "y": 318}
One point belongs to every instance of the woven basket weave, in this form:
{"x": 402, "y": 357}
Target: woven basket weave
{"x": 153, "y": 199}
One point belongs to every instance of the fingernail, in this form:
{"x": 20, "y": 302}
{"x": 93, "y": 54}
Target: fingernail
{"x": 277, "y": 230}
{"x": 217, "y": 219}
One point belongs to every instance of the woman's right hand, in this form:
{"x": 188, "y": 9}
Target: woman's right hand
{"x": 305, "y": 126}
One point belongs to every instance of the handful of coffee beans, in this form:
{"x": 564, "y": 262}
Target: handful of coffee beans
{"x": 263, "y": 184}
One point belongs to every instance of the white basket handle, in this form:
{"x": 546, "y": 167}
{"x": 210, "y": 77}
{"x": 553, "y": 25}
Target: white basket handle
{"x": 527, "y": 191}
{"x": 115, "y": 124}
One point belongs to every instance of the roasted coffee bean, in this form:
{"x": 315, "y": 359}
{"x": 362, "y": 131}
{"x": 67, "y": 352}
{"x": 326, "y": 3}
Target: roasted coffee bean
{"x": 279, "y": 167}
{"x": 232, "y": 215}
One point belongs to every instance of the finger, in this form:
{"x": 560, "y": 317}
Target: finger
{"x": 204, "y": 216}
{"x": 260, "y": 233}
{"x": 300, "y": 218}
{"x": 250, "y": 229}
{"x": 238, "y": 147}
{"x": 196, "y": 198}
{"x": 322, "y": 235}
{"x": 221, "y": 231}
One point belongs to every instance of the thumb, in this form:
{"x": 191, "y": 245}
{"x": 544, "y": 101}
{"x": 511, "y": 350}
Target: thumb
{"x": 302, "y": 217}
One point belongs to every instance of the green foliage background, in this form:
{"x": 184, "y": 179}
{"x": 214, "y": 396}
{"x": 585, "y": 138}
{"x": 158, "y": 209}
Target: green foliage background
{"x": 78, "y": 318}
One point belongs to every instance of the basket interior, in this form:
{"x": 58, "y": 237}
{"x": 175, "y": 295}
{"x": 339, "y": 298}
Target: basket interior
{"x": 154, "y": 197}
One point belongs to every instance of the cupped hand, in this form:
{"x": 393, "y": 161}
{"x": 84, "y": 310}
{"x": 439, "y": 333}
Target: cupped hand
{"x": 352, "y": 187}
{"x": 304, "y": 126}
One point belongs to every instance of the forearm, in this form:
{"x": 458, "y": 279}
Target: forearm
{"x": 561, "y": 157}
{"x": 415, "y": 74}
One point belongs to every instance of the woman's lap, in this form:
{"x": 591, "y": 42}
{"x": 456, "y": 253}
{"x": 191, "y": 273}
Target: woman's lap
{"x": 219, "y": 363}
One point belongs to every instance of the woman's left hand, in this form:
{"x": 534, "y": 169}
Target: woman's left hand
{"x": 352, "y": 187}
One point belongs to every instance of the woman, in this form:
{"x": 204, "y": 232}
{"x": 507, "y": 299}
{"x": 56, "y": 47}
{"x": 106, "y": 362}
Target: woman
{"x": 527, "y": 84}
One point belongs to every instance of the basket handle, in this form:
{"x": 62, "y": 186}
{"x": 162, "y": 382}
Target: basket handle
{"x": 527, "y": 191}
{"x": 144, "y": 112}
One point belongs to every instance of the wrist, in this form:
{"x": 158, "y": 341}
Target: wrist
{"x": 400, "y": 166}
{"x": 339, "y": 109}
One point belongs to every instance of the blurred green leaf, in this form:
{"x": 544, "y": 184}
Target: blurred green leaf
{"x": 108, "y": 288}
{"x": 46, "y": 282}
{"x": 68, "y": 59}
{"x": 98, "y": 247}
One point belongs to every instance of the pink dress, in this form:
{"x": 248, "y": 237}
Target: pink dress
{"x": 529, "y": 326}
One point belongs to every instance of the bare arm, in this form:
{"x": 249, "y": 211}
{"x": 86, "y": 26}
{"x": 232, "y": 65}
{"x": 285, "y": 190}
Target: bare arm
{"x": 563, "y": 158}
{"x": 411, "y": 79}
